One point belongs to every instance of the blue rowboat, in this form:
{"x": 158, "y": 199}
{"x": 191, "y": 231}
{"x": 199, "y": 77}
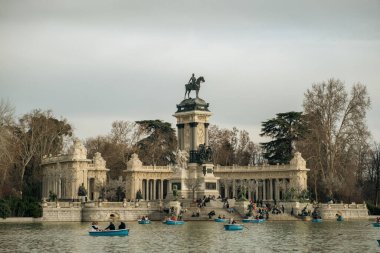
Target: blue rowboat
{"x": 377, "y": 225}
{"x": 120, "y": 232}
{"x": 175, "y": 222}
{"x": 144, "y": 221}
{"x": 340, "y": 218}
{"x": 317, "y": 220}
{"x": 219, "y": 220}
{"x": 253, "y": 220}
{"x": 232, "y": 227}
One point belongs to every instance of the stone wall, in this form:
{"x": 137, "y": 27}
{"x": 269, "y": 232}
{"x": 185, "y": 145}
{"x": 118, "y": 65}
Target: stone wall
{"x": 349, "y": 211}
{"x": 20, "y": 220}
{"x": 328, "y": 211}
{"x": 101, "y": 211}
{"x": 62, "y": 214}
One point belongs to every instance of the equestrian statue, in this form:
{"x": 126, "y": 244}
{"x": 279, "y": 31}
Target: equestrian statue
{"x": 193, "y": 84}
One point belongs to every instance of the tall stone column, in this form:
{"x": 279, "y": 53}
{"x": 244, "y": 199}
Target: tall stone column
{"x": 181, "y": 132}
{"x": 145, "y": 185}
{"x": 193, "y": 126}
{"x": 257, "y": 191}
{"x": 225, "y": 191}
{"x": 264, "y": 190}
{"x": 271, "y": 189}
{"x": 233, "y": 188}
{"x": 154, "y": 189}
{"x": 276, "y": 190}
{"x": 206, "y": 133}
{"x": 150, "y": 189}
{"x": 161, "y": 189}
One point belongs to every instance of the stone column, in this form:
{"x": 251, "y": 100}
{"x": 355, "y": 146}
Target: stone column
{"x": 257, "y": 191}
{"x": 249, "y": 194}
{"x": 154, "y": 189}
{"x": 225, "y": 191}
{"x": 271, "y": 189}
{"x": 206, "y": 133}
{"x": 264, "y": 190}
{"x": 180, "y": 128}
{"x": 233, "y": 188}
{"x": 276, "y": 190}
{"x": 150, "y": 189}
{"x": 161, "y": 194}
{"x": 193, "y": 126}
{"x": 145, "y": 189}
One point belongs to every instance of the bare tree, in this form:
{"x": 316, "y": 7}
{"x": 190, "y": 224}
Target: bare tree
{"x": 337, "y": 133}
{"x": 193, "y": 184}
{"x": 38, "y": 133}
{"x": 125, "y": 134}
{"x": 233, "y": 147}
{"x": 7, "y": 149}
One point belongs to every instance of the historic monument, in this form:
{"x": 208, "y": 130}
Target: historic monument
{"x": 152, "y": 189}
{"x": 64, "y": 174}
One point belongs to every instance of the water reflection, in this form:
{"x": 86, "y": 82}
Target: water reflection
{"x": 330, "y": 236}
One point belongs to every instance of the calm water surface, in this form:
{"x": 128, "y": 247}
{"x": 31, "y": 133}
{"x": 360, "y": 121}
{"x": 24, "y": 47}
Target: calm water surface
{"x": 276, "y": 236}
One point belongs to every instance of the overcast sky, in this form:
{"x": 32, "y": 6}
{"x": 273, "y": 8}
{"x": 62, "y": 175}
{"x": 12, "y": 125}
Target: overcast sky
{"x": 94, "y": 62}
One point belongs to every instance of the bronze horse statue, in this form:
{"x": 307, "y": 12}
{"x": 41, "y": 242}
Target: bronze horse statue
{"x": 194, "y": 86}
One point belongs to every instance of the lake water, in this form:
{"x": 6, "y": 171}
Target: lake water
{"x": 276, "y": 236}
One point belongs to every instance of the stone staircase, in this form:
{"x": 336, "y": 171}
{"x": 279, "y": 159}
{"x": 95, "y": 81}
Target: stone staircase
{"x": 213, "y": 205}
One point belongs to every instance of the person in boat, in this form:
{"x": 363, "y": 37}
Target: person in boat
{"x": 111, "y": 226}
{"x": 95, "y": 226}
{"x": 223, "y": 216}
{"x": 146, "y": 218}
{"x": 314, "y": 215}
{"x": 378, "y": 219}
{"x": 231, "y": 221}
{"x": 122, "y": 225}
{"x": 219, "y": 217}
{"x": 143, "y": 218}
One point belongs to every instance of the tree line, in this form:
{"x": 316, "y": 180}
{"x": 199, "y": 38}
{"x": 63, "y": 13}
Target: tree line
{"x": 333, "y": 137}
{"x": 330, "y": 132}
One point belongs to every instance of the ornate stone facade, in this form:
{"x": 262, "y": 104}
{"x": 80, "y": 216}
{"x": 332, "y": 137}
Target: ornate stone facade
{"x": 152, "y": 181}
{"x": 266, "y": 182}
{"x": 63, "y": 174}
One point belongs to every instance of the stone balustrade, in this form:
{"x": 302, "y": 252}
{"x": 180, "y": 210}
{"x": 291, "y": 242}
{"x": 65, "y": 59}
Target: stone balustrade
{"x": 237, "y": 168}
{"x": 100, "y": 211}
{"x": 60, "y": 158}
{"x": 153, "y": 168}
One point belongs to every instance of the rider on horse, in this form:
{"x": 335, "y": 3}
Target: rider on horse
{"x": 193, "y": 84}
{"x": 192, "y": 80}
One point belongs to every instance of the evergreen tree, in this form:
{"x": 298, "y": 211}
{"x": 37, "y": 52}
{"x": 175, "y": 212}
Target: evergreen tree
{"x": 285, "y": 129}
{"x": 158, "y": 145}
